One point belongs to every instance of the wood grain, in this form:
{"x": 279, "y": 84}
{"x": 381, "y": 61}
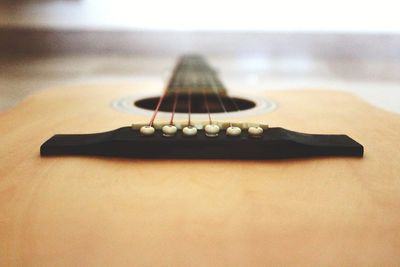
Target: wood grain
{"x": 67, "y": 211}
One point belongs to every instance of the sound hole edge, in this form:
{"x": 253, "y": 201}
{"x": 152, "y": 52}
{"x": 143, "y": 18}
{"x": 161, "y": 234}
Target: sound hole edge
{"x": 231, "y": 104}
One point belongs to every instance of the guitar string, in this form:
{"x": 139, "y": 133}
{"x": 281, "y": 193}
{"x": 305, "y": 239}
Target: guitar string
{"x": 207, "y": 106}
{"x": 231, "y": 99}
{"x": 190, "y": 106}
{"x": 176, "y": 96}
{"x": 215, "y": 90}
{"x": 204, "y": 74}
{"x": 182, "y": 77}
{"x": 179, "y": 82}
{"x": 161, "y": 99}
{"x": 203, "y": 85}
{"x": 190, "y": 79}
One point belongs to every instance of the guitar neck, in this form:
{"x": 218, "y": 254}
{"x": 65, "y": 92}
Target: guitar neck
{"x": 194, "y": 75}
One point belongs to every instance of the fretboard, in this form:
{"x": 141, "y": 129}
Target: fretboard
{"x": 194, "y": 74}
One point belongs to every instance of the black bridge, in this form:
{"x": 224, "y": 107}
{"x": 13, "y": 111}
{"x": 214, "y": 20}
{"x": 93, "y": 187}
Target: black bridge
{"x": 275, "y": 143}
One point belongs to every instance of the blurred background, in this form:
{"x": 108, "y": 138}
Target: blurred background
{"x": 257, "y": 45}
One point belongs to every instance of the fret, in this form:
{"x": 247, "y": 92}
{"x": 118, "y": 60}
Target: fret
{"x": 195, "y": 74}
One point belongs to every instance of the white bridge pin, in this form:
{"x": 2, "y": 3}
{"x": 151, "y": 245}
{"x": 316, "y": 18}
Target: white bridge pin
{"x": 169, "y": 130}
{"x": 233, "y": 131}
{"x": 211, "y": 130}
{"x": 189, "y": 131}
{"x": 147, "y": 130}
{"x": 255, "y": 131}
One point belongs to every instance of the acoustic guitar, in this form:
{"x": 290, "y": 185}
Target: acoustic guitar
{"x": 194, "y": 176}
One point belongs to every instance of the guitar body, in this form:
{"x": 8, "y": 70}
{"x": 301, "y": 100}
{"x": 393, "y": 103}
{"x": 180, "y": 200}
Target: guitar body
{"x": 94, "y": 211}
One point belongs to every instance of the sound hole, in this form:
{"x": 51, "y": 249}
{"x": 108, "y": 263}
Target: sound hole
{"x": 198, "y": 104}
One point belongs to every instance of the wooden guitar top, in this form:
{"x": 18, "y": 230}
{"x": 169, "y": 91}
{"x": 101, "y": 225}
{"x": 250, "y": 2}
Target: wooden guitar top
{"x": 91, "y": 211}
